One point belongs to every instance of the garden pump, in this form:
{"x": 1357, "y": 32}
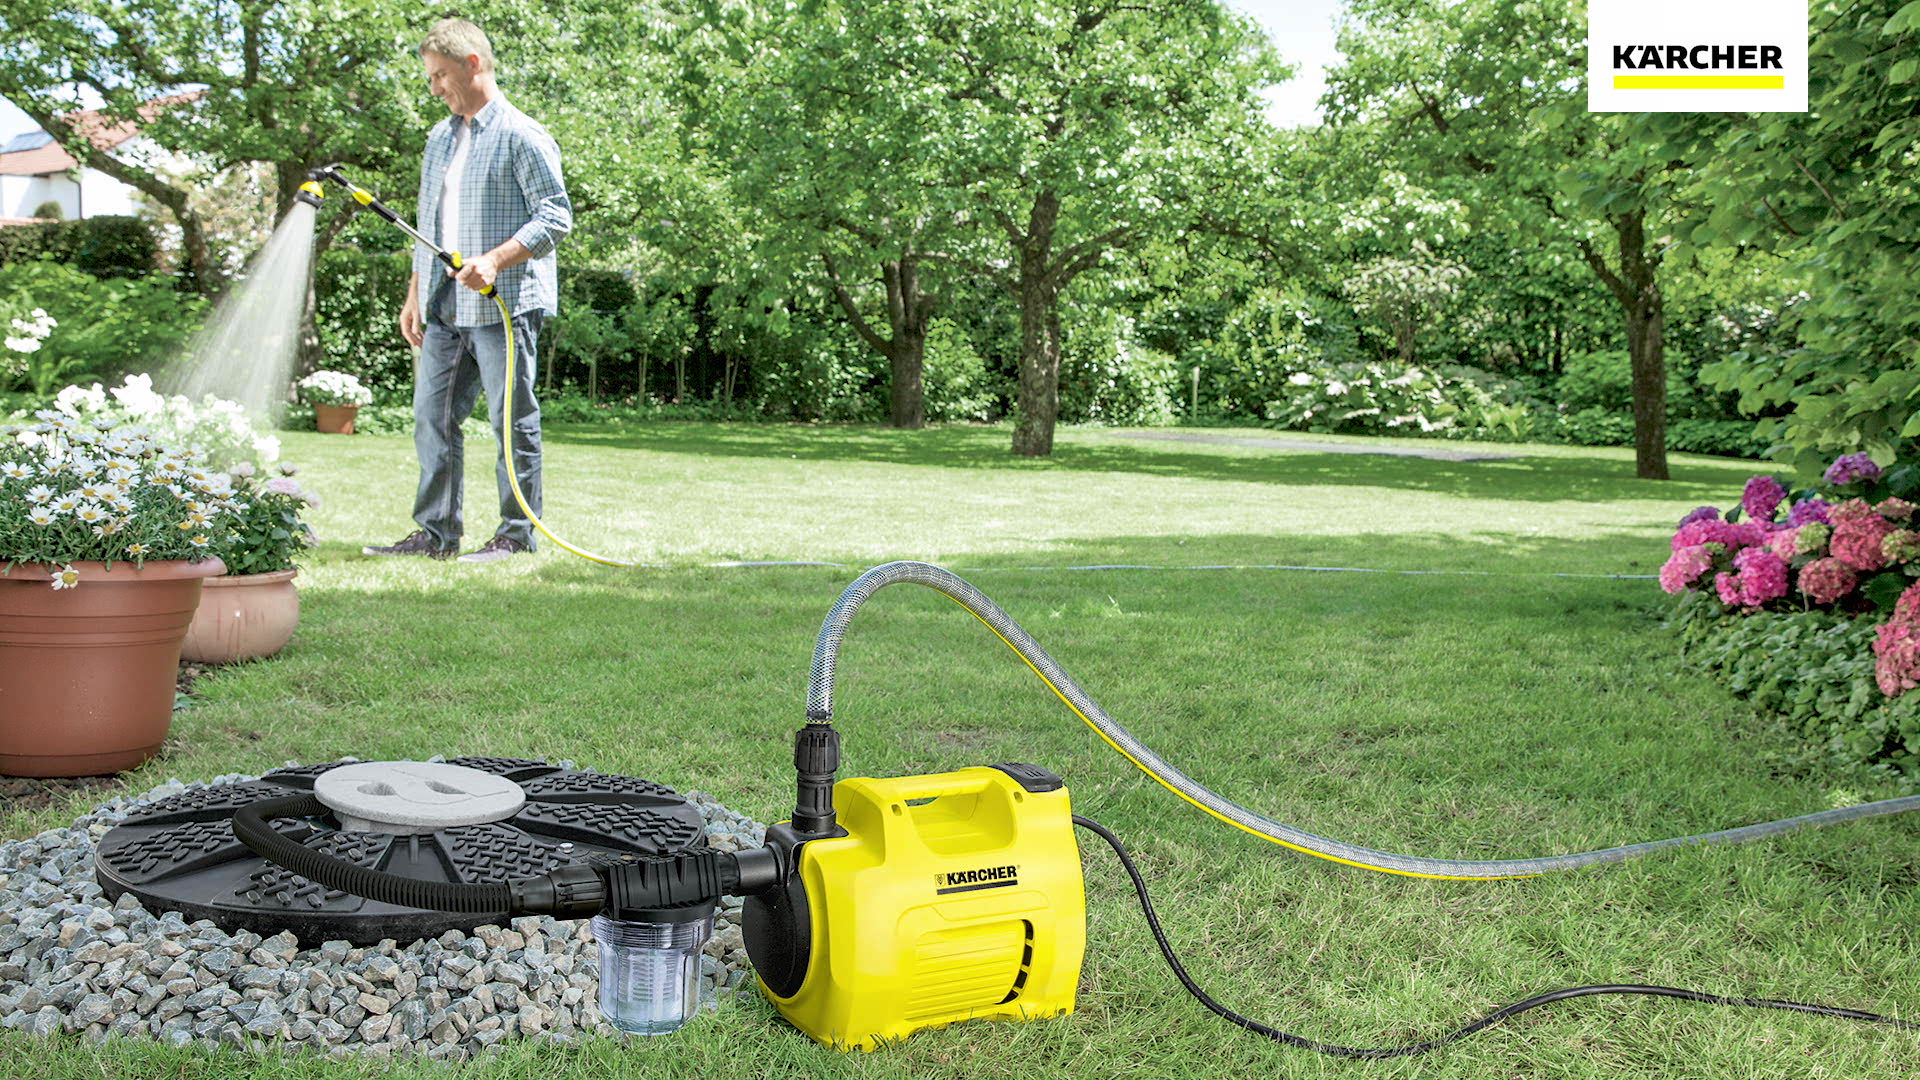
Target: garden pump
{"x": 887, "y": 906}
{"x": 312, "y": 193}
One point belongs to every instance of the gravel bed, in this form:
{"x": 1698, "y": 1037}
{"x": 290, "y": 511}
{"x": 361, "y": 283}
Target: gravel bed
{"x": 70, "y": 962}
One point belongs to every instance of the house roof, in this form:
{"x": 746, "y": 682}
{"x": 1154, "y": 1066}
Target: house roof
{"x": 6, "y": 221}
{"x": 102, "y": 131}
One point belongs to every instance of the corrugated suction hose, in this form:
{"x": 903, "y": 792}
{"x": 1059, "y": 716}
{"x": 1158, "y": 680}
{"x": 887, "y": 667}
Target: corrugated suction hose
{"x": 826, "y": 655}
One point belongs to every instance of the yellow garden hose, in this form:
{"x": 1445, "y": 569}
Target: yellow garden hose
{"x": 506, "y": 440}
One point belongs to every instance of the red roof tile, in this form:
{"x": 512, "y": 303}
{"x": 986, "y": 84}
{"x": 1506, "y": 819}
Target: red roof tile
{"x": 103, "y": 132}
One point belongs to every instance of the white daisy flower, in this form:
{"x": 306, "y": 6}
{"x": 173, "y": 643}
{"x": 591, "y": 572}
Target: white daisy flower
{"x": 39, "y": 493}
{"x": 40, "y": 515}
{"x": 198, "y": 541}
{"x": 134, "y": 551}
{"x": 16, "y": 470}
{"x": 66, "y": 577}
{"x": 90, "y": 513}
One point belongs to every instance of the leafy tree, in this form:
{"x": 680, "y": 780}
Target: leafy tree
{"x": 1405, "y": 293}
{"x": 1022, "y": 144}
{"x": 1834, "y": 191}
{"x": 1490, "y": 96}
{"x": 289, "y": 83}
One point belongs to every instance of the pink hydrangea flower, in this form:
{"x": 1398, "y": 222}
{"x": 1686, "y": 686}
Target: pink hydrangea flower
{"x": 1850, "y": 467}
{"x": 1827, "y": 580}
{"x": 1685, "y": 568}
{"x": 1807, "y": 510}
{"x": 1762, "y": 577}
{"x": 1699, "y": 513}
{"x": 1895, "y": 509}
{"x": 1734, "y": 537}
{"x": 1857, "y": 541}
{"x": 1901, "y": 545}
{"x": 1849, "y": 511}
{"x": 1907, "y": 608}
{"x": 1785, "y": 542}
{"x": 1896, "y": 653}
{"x": 1762, "y": 498}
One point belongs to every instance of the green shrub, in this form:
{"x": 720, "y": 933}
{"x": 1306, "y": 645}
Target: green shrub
{"x": 108, "y": 246}
{"x": 1391, "y": 398}
{"x": 1812, "y": 673}
{"x": 108, "y": 327}
{"x": 957, "y": 383}
{"x": 1108, "y": 377}
{"x": 357, "y": 298}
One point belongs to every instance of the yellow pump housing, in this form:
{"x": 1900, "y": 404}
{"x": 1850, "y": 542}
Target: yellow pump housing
{"x": 956, "y": 896}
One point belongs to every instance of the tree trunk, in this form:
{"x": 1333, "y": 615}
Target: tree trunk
{"x": 907, "y": 311}
{"x": 1636, "y": 287}
{"x": 1037, "y": 404}
{"x": 1646, "y": 344}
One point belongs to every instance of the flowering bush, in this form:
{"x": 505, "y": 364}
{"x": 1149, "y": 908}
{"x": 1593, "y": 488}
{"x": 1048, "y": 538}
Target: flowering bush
{"x": 220, "y": 430}
{"x": 25, "y": 340}
{"x": 1842, "y": 559}
{"x": 266, "y": 533}
{"x": 73, "y": 490}
{"x": 333, "y": 388}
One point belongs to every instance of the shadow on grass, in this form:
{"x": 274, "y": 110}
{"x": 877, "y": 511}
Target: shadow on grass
{"x": 1530, "y": 477}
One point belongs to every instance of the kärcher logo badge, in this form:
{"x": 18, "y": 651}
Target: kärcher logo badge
{"x": 1648, "y": 56}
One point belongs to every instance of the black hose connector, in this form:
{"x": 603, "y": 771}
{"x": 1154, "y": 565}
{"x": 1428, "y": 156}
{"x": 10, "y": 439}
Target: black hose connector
{"x": 252, "y": 824}
{"x": 816, "y": 757}
{"x": 622, "y": 889}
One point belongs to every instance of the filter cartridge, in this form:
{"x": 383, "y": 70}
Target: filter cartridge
{"x": 650, "y": 971}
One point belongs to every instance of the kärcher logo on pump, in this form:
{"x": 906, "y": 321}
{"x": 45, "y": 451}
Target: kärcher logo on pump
{"x": 990, "y": 877}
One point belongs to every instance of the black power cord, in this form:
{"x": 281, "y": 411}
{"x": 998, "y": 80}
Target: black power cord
{"x": 1518, "y": 1007}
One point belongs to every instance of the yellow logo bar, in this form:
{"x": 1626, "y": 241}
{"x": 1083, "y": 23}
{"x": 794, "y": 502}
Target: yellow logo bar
{"x": 1699, "y": 82}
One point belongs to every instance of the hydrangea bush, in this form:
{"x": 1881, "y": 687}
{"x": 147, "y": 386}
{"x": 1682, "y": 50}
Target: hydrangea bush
{"x": 333, "y": 388}
{"x": 1843, "y": 557}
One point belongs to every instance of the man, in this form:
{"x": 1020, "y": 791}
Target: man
{"x": 490, "y": 189}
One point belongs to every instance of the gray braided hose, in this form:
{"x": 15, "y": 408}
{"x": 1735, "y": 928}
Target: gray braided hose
{"x": 826, "y": 655}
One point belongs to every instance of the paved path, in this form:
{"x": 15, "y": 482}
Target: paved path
{"x": 1432, "y": 454}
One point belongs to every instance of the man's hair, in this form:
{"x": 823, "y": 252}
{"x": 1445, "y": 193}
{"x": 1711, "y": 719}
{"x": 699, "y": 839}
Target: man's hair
{"x": 458, "y": 39}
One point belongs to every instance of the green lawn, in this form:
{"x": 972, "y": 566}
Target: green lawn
{"x": 1448, "y": 715}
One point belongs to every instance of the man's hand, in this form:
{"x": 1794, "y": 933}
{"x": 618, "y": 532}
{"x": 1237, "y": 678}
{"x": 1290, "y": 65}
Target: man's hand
{"x": 410, "y": 320}
{"x": 477, "y": 273}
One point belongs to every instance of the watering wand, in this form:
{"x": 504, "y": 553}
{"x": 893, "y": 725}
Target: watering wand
{"x": 313, "y": 193}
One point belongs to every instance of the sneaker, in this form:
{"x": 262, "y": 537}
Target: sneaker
{"x": 418, "y": 542}
{"x": 497, "y": 548}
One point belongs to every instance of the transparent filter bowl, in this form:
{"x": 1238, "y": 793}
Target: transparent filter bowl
{"x": 650, "y": 971}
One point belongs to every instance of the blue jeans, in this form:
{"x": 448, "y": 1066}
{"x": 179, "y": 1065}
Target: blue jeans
{"x": 456, "y": 363}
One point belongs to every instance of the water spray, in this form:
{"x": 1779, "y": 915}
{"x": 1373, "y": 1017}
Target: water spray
{"x": 313, "y": 194}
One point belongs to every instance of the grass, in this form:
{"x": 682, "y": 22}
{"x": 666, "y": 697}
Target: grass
{"x": 1463, "y": 716}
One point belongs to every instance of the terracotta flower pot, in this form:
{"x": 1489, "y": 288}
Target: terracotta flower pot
{"x": 242, "y": 617}
{"x": 87, "y": 674}
{"x": 334, "y": 419}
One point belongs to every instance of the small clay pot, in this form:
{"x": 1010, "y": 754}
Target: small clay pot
{"x": 334, "y": 419}
{"x": 242, "y": 617}
{"x": 87, "y": 674}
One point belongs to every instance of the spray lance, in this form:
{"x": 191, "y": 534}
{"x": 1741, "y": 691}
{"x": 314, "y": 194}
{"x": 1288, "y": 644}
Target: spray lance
{"x": 313, "y": 194}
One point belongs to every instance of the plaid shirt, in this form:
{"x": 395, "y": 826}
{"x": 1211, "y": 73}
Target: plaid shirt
{"x": 511, "y": 190}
